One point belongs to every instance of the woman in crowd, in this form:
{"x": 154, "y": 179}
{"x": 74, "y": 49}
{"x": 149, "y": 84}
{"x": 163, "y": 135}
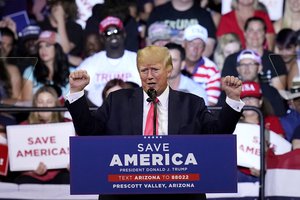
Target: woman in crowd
{"x": 10, "y": 83}
{"x": 286, "y": 44}
{"x": 46, "y": 96}
{"x": 62, "y": 19}
{"x": 290, "y": 18}
{"x": 228, "y": 43}
{"x": 234, "y": 21}
{"x": 92, "y": 44}
{"x": 52, "y": 67}
{"x": 10, "y": 89}
{"x": 113, "y": 85}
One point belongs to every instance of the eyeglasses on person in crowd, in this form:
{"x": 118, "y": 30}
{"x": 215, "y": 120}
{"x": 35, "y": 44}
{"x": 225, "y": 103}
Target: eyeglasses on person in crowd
{"x": 111, "y": 32}
{"x": 244, "y": 65}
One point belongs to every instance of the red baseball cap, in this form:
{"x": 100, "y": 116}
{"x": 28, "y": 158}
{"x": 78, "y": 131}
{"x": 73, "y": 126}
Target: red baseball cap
{"x": 49, "y": 37}
{"x": 110, "y": 21}
{"x": 251, "y": 89}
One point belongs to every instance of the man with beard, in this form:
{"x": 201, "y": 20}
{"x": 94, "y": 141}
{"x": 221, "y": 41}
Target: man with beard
{"x": 113, "y": 62}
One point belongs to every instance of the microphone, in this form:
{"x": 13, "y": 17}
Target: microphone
{"x": 152, "y": 95}
{"x": 152, "y": 98}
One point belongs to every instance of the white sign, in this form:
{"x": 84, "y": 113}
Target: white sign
{"x": 248, "y": 144}
{"x": 274, "y": 7}
{"x": 226, "y": 6}
{"x": 28, "y": 145}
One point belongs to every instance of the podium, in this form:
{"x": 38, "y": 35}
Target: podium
{"x": 173, "y": 164}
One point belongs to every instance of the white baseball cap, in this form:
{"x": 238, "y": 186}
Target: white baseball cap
{"x": 195, "y": 31}
{"x": 250, "y": 54}
{"x": 159, "y": 31}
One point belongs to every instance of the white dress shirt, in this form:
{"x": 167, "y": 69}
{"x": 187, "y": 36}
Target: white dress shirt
{"x": 162, "y": 111}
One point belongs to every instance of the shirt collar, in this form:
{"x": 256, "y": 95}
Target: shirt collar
{"x": 163, "y": 98}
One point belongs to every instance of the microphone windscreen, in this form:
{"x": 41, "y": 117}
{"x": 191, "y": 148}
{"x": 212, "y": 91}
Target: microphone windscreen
{"x": 152, "y": 94}
{"x": 149, "y": 100}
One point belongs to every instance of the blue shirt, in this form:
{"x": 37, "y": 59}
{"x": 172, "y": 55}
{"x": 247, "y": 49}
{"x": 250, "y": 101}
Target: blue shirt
{"x": 28, "y": 75}
{"x": 289, "y": 122}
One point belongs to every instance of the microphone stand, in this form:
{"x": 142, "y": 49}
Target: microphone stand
{"x": 154, "y": 117}
{"x": 152, "y": 98}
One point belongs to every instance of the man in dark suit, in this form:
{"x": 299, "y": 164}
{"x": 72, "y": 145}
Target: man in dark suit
{"x": 125, "y": 111}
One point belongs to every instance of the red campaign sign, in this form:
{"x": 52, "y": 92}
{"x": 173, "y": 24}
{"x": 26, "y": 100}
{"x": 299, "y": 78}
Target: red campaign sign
{"x": 153, "y": 177}
{"x": 3, "y": 159}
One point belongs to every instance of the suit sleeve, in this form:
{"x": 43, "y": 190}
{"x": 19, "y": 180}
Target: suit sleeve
{"x": 224, "y": 123}
{"x": 85, "y": 121}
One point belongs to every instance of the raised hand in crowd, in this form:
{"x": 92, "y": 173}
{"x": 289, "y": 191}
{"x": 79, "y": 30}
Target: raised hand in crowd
{"x": 7, "y": 22}
{"x": 58, "y": 13}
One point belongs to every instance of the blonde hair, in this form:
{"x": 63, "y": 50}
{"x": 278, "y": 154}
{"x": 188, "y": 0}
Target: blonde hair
{"x": 223, "y": 40}
{"x": 153, "y": 55}
{"x": 287, "y": 19}
{"x": 56, "y": 116}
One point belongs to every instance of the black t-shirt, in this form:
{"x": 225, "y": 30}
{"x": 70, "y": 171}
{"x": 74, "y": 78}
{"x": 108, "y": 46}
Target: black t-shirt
{"x": 132, "y": 35}
{"x": 269, "y": 60}
{"x": 278, "y": 104}
{"x": 179, "y": 20}
{"x": 74, "y": 32}
{"x": 273, "y": 65}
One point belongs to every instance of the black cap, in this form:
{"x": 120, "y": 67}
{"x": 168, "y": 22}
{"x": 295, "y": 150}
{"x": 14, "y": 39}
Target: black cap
{"x": 30, "y": 32}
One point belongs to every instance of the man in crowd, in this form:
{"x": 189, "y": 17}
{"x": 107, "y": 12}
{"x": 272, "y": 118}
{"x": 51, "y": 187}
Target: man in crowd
{"x": 28, "y": 49}
{"x": 177, "y": 80}
{"x": 200, "y": 68}
{"x": 125, "y": 111}
{"x": 179, "y": 14}
{"x": 249, "y": 66}
{"x": 291, "y": 119}
{"x": 158, "y": 34}
{"x": 113, "y": 62}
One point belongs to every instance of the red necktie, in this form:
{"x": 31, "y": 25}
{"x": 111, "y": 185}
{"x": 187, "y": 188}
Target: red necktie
{"x": 150, "y": 119}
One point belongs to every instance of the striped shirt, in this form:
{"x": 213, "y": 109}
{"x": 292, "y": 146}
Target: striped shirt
{"x": 207, "y": 73}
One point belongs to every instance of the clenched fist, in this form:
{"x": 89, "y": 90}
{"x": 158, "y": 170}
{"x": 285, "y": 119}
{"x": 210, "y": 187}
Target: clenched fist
{"x": 78, "y": 80}
{"x": 232, "y": 87}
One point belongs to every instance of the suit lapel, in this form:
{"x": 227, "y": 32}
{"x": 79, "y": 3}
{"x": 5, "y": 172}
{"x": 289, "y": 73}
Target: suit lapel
{"x": 173, "y": 115}
{"x": 136, "y": 103}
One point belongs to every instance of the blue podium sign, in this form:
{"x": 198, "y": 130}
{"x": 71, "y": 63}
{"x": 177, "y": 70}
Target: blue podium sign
{"x": 153, "y": 164}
